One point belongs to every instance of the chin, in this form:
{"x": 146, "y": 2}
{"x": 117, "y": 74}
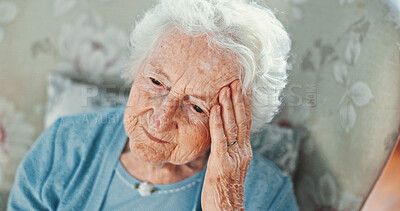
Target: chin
{"x": 147, "y": 153}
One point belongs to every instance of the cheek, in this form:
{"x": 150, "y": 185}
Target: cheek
{"x": 141, "y": 98}
{"x": 136, "y": 106}
{"x": 130, "y": 121}
{"x": 142, "y": 94}
{"x": 196, "y": 136}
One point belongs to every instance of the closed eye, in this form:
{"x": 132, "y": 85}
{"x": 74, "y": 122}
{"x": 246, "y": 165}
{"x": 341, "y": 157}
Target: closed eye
{"x": 154, "y": 81}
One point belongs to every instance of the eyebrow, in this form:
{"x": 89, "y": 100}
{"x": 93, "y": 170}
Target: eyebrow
{"x": 158, "y": 69}
{"x": 198, "y": 97}
{"x": 161, "y": 72}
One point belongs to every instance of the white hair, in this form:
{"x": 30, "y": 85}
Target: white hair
{"x": 246, "y": 28}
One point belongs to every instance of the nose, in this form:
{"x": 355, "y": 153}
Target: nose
{"x": 163, "y": 117}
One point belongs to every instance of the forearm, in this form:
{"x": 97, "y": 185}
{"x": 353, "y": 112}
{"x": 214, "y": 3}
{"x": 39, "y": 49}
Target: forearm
{"x": 224, "y": 196}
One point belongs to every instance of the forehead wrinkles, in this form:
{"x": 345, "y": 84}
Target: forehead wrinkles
{"x": 184, "y": 57}
{"x": 172, "y": 53}
{"x": 207, "y": 69}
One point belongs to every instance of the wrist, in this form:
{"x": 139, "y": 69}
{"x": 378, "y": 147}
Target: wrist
{"x": 224, "y": 199}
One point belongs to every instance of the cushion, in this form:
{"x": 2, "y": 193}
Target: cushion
{"x": 65, "y": 97}
{"x": 280, "y": 145}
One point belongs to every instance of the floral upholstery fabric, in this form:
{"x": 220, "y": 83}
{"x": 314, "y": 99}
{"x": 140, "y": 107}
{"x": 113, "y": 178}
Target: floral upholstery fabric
{"x": 344, "y": 89}
{"x": 343, "y": 86}
{"x": 280, "y": 145}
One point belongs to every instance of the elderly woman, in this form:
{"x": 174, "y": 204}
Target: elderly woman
{"x": 206, "y": 74}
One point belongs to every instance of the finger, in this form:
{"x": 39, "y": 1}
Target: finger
{"x": 243, "y": 120}
{"x": 218, "y": 139}
{"x": 247, "y": 105}
{"x": 228, "y": 115}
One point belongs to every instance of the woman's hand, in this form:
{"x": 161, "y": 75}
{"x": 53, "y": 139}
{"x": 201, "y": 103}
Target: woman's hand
{"x": 223, "y": 187}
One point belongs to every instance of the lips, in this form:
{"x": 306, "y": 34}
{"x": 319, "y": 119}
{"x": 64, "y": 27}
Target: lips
{"x": 153, "y": 138}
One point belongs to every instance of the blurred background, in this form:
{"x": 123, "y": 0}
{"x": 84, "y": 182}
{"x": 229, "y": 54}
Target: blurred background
{"x": 340, "y": 119}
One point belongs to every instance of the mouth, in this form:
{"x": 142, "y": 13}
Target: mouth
{"x": 153, "y": 138}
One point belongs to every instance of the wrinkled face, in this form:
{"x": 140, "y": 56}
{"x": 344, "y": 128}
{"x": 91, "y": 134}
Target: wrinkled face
{"x": 167, "y": 114}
